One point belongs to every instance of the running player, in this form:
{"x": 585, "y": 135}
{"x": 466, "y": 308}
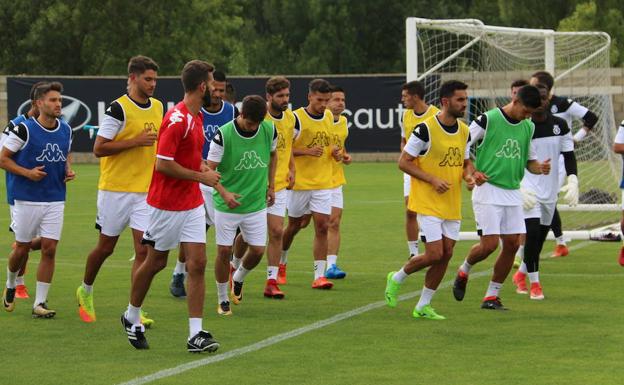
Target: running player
{"x": 216, "y": 112}
{"x": 501, "y": 158}
{"x": 338, "y": 137}
{"x": 243, "y": 152}
{"x": 312, "y": 189}
{"x": 126, "y": 146}
{"x": 177, "y": 213}
{"x": 550, "y": 138}
{"x": 287, "y": 126}
{"x": 21, "y": 291}
{"x": 568, "y": 110}
{"x": 618, "y": 147}
{"x": 36, "y": 153}
{"x": 417, "y": 111}
{"x": 437, "y": 157}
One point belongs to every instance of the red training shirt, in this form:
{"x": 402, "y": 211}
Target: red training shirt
{"x": 181, "y": 139}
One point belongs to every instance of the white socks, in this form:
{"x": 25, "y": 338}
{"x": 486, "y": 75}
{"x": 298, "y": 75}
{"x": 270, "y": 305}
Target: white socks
{"x": 465, "y": 267}
{"x": 11, "y": 277}
{"x": 284, "y": 257}
{"x": 534, "y": 277}
{"x": 331, "y": 260}
{"x": 319, "y": 269}
{"x": 180, "y": 268}
{"x": 425, "y": 298}
{"x": 413, "y": 247}
{"x": 272, "y": 272}
{"x": 222, "y": 292}
{"x": 41, "y": 295}
{"x": 236, "y": 262}
{"x": 400, "y": 276}
{"x": 560, "y": 241}
{"x": 493, "y": 289}
{"x": 520, "y": 252}
{"x": 195, "y": 326}
{"x": 522, "y": 268}
{"x": 240, "y": 274}
{"x": 19, "y": 280}
{"x": 133, "y": 314}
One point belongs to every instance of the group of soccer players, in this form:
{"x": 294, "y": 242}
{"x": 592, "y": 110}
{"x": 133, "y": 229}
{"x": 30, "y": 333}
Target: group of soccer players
{"x": 169, "y": 178}
{"x": 514, "y": 185}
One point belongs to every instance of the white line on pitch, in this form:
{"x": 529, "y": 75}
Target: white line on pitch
{"x": 279, "y": 337}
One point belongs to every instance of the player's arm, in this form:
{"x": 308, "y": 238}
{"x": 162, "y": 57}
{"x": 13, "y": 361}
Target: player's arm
{"x": 272, "y": 167}
{"x": 469, "y": 168}
{"x": 571, "y": 188}
{"x": 16, "y": 141}
{"x": 417, "y": 145}
{"x": 215, "y": 155}
{"x": 112, "y": 124}
{"x": 535, "y": 166}
{"x": 589, "y": 119}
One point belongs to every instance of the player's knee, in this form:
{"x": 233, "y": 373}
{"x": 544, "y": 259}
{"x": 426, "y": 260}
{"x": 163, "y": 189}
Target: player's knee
{"x": 276, "y": 232}
{"x": 196, "y": 265}
{"x": 488, "y": 247}
{"x": 48, "y": 251}
{"x": 256, "y": 251}
{"x": 410, "y": 215}
{"x": 334, "y": 225}
{"x": 435, "y": 256}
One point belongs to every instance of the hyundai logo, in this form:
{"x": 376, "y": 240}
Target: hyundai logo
{"x": 75, "y": 112}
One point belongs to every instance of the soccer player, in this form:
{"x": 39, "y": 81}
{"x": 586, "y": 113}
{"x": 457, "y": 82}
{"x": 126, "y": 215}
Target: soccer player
{"x": 126, "y": 146}
{"x": 569, "y": 110}
{"x": 312, "y": 189}
{"x": 243, "y": 152}
{"x": 551, "y": 138}
{"x": 177, "y": 214}
{"x": 516, "y": 85}
{"x": 618, "y": 147}
{"x": 287, "y": 127}
{"x": 216, "y": 112}
{"x": 437, "y": 157}
{"x": 502, "y": 155}
{"x": 338, "y": 136}
{"x": 36, "y": 154}
{"x": 21, "y": 291}
{"x": 417, "y": 111}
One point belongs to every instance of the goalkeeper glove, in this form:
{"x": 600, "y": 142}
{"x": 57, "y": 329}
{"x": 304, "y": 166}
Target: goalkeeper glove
{"x": 528, "y": 199}
{"x": 571, "y": 190}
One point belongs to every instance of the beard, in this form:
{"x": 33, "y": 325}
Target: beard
{"x": 279, "y": 107}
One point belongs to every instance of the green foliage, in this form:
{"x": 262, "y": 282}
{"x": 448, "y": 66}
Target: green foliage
{"x": 82, "y": 37}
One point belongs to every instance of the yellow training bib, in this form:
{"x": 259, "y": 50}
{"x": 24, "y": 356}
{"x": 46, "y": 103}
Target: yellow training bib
{"x": 411, "y": 119}
{"x": 285, "y": 133}
{"x": 338, "y": 135}
{"x": 313, "y": 172}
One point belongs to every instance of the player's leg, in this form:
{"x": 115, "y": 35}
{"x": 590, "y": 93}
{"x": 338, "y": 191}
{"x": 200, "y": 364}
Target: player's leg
{"x": 225, "y": 230}
{"x": 176, "y": 286}
{"x": 333, "y": 235}
{"x": 253, "y": 228}
{"x": 275, "y": 224}
{"x": 519, "y": 278}
{"x": 238, "y": 251}
{"x": 488, "y": 218}
{"x": 519, "y": 253}
{"x": 561, "y": 249}
{"x": 298, "y": 204}
{"x": 320, "y": 205}
{"x": 411, "y": 221}
{"x": 621, "y": 258}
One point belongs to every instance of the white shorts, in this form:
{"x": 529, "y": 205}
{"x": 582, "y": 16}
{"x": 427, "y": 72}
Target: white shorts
{"x": 12, "y": 209}
{"x": 433, "y": 228}
{"x": 118, "y": 210}
{"x": 407, "y": 182}
{"x": 253, "y": 227}
{"x": 544, "y": 211}
{"x": 166, "y": 229}
{"x": 336, "y": 197}
{"x": 496, "y": 219}
{"x": 281, "y": 202}
{"x": 208, "y": 204}
{"x": 301, "y": 202}
{"x": 41, "y": 218}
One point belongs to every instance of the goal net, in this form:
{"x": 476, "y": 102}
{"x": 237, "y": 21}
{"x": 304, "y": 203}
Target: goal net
{"x": 490, "y": 58}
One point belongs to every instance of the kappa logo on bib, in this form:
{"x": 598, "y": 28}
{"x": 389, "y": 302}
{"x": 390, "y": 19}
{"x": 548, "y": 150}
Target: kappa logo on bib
{"x": 320, "y": 140}
{"x": 511, "y": 149}
{"x": 250, "y": 160}
{"x": 452, "y": 158}
{"x": 281, "y": 142}
{"x": 51, "y": 153}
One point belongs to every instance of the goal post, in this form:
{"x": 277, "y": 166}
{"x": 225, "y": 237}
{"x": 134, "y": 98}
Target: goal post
{"x": 490, "y": 58}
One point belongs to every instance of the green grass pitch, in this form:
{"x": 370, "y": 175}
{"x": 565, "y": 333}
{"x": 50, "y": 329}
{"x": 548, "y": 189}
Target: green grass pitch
{"x": 574, "y": 336}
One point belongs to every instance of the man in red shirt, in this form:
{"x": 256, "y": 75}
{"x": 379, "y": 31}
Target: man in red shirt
{"x": 177, "y": 211}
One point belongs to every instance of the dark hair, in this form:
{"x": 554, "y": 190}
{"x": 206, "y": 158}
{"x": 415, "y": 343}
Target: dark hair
{"x": 275, "y": 84}
{"x": 194, "y": 74}
{"x": 541, "y": 86}
{"x": 415, "y": 88}
{"x": 448, "y": 88}
{"x": 254, "y": 108}
{"x": 319, "y": 85}
{"x": 545, "y": 78}
{"x": 529, "y": 96}
{"x": 33, "y": 89}
{"x": 335, "y": 88}
{"x": 230, "y": 92}
{"x": 219, "y": 76}
{"x": 519, "y": 83}
{"x": 139, "y": 64}
{"x": 46, "y": 87}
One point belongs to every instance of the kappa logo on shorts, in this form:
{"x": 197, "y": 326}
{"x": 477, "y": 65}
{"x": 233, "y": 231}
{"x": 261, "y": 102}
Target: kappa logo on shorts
{"x": 250, "y": 160}
{"x": 51, "y": 153}
{"x": 453, "y": 158}
{"x": 320, "y": 140}
{"x": 511, "y": 149}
